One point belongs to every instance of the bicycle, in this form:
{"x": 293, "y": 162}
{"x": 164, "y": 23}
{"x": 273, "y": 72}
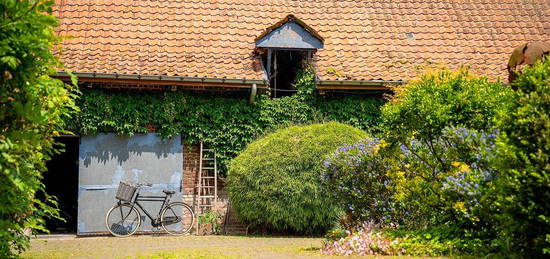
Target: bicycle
{"x": 124, "y": 218}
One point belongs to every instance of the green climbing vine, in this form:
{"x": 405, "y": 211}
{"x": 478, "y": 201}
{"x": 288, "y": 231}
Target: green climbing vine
{"x": 224, "y": 122}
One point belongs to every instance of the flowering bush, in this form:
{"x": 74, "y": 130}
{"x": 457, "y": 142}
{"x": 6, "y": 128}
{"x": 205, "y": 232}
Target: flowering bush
{"x": 420, "y": 184}
{"x": 445, "y": 185}
{"x": 450, "y": 181}
{"x": 367, "y": 241}
{"x": 357, "y": 175}
{"x": 445, "y": 177}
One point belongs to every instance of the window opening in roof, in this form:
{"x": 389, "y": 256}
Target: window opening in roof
{"x": 282, "y": 66}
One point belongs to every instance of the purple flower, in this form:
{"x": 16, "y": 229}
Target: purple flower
{"x": 326, "y": 164}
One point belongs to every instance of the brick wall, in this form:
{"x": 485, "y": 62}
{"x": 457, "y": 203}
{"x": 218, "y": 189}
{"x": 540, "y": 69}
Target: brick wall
{"x": 191, "y": 160}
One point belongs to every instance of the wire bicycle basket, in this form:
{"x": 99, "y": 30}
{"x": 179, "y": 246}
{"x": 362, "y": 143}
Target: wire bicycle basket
{"x": 125, "y": 191}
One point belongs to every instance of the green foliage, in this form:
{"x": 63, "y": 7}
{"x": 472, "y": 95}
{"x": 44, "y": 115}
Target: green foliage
{"x": 423, "y": 108}
{"x": 358, "y": 111}
{"x": 276, "y": 181}
{"x": 211, "y": 218}
{"x": 336, "y": 234}
{"x": 523, "y": 187}
{"x": 425, "y": 242}
{"x": 33, "y": 107}
{"x": 225, "y": 123}
{"x": 438, "y": 173}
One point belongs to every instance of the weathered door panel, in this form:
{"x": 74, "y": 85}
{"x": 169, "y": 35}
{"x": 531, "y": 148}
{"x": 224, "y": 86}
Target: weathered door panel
{"x": 107, "y": 159}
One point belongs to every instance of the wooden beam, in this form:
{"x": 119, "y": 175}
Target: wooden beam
{"x": 139, "y": 82}
{"x": 352, "y": 87}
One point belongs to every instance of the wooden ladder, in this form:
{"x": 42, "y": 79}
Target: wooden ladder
{"x": 207, "y": 188}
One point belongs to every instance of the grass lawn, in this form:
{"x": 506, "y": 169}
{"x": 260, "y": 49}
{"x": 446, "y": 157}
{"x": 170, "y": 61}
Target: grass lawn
{"x": 170, "y": 247}
{"x": 175, "y": 247}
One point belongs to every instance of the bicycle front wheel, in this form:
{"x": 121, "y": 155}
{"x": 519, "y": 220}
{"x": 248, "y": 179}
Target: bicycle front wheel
{"x": 177, "y": 218}
{"x": 122, "y": 220}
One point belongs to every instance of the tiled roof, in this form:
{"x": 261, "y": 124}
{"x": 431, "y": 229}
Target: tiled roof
{"x": 363, "y": 40}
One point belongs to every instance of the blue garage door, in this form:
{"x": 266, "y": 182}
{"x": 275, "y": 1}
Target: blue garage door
{"x": 107, "y": 159}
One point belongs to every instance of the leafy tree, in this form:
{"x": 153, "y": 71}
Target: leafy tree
{"x": 442, "y": 98}
{"x": 276, "y": 181}
{"x": 33, "y": 107}
{"x": 523, "y": 188}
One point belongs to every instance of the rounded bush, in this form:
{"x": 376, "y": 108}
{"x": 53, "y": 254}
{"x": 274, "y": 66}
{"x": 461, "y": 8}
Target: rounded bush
{"x": 276, "y": 183}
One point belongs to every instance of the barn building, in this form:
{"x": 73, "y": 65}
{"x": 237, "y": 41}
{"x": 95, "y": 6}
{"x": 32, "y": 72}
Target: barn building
{"x": 250, "y": 48}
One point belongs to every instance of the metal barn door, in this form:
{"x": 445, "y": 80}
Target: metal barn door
{"x": 107, "y": 159}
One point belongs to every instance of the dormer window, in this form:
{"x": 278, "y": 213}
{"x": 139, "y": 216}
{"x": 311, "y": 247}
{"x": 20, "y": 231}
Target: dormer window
{"x": 284, "y": 48}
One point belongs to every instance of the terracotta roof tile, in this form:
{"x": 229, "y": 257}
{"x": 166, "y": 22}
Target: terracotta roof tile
{"x": 377, "y": 39}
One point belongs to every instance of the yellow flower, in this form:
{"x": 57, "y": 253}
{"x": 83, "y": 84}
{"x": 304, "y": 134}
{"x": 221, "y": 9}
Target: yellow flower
{"x": 461, "y": 166}
{"x": 459, "y": 206}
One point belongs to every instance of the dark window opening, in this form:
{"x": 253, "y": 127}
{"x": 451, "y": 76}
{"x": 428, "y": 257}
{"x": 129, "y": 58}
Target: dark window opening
{"x": 282, "y": 67}
{"x": 61, "y": 181}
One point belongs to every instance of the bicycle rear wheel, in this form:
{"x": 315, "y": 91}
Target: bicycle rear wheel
{"x": 122, "y": 220}
{"x": 177, "y": 218}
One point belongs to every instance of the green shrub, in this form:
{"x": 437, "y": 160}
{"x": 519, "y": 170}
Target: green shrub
{"x": 425, "y": 242}
{"x": 358, "y": 175}
{"x": 523, "y": 187}
{"x": 439, "y": 99}
{"x": 276, "y": 181}
{"x": 33, "y": 107}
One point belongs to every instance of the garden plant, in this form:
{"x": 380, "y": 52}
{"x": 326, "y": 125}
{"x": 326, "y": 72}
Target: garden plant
{"x": 460, "y": 167}
{"x": 276, "y": 182}
{"x": 33, "y": 110}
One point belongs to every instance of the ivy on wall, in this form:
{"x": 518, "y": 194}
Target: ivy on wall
{"x": 225, "y": 123}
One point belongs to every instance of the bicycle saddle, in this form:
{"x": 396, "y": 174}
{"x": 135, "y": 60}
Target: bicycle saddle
{"x": 168, "y": 192}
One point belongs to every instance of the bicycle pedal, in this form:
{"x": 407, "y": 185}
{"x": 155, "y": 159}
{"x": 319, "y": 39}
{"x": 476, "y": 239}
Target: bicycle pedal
{"x": 156, "y": 231}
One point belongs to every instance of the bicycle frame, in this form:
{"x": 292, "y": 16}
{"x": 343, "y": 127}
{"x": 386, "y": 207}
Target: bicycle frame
{"x": 164, "y": 199}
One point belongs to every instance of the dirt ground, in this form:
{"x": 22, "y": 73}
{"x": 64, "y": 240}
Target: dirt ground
{"x": 170, "y": 247}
